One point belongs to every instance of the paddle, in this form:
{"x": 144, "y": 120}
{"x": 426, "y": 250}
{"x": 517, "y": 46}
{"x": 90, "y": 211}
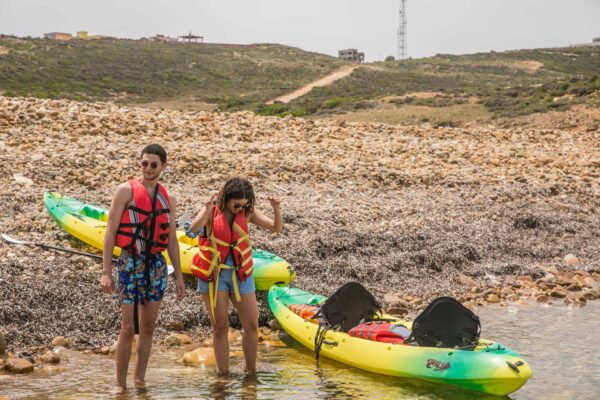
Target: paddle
{"x": 44, "y": 246}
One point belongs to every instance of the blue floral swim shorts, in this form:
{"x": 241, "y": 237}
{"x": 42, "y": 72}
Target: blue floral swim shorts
{"x": 131, "y": 280}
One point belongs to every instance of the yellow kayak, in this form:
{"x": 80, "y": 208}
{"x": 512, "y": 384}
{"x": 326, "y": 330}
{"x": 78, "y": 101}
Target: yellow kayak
{"x": 88, "y": 223}
{"x": 490, "y": 367}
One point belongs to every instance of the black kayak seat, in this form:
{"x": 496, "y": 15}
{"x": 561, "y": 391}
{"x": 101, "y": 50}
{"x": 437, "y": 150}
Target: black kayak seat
{"x": 446, "y": 323}
{"x": 349, "y": 306}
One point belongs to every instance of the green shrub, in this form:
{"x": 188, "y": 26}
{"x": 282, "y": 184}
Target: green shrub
{"x": 272, "y": 109}
{"x": 333, "y": 103}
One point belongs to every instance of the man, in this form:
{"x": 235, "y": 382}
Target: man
{"x": 141, "y": 221}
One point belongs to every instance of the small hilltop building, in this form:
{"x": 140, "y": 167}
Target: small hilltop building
{"x": 352, "y": 55}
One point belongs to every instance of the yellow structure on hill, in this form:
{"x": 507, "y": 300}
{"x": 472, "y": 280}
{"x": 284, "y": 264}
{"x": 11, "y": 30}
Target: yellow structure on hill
{"x": 58, "y": 36}
{"x": 82, "y": 35}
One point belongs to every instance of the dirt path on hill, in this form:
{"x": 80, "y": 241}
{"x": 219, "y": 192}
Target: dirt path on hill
{"x": 328, "y": 80}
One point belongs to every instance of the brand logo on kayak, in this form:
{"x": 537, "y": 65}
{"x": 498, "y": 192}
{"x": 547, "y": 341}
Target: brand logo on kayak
{"x": 437, "y": 365}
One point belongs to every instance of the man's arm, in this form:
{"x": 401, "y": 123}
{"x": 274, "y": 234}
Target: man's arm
{"x": 173, "y": 249}
{"x": 119, "y": 202}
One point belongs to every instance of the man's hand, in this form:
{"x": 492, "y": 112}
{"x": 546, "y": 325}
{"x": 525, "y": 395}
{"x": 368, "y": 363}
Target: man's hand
{"x": 107, "y": 284}
{"x": 180, "y": 287}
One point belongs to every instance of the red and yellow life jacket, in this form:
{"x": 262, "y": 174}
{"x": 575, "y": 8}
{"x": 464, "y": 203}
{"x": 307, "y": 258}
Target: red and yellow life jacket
{"x": 214, "y": 249}
{"x": 380, "y": 331}
{"x": 145, "y": 221}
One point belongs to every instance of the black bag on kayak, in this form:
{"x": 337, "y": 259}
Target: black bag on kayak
{"x": 349, "y": 306}
{"x": 446, "y": 323}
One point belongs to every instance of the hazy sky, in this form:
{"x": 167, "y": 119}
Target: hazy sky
{"x": 325, "y": 26}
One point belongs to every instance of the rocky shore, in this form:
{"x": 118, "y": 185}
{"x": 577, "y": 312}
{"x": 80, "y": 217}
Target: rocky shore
{"x": 486, "y": 214}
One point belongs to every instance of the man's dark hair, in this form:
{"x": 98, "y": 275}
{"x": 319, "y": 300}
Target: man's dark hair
{"x": 156, "y": 149}
{"x": 237, "y": 188}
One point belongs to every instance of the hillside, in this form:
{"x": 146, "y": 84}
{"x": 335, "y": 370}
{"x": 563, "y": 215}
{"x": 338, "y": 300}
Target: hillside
{"x": 140, "y": 71}
{"x": 484, "y": 85}
{"x": 444, "y": 90}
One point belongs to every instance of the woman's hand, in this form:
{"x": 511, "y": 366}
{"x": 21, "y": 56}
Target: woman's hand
{"x": 275, "y": 202}
{"x": 208, "y": 204}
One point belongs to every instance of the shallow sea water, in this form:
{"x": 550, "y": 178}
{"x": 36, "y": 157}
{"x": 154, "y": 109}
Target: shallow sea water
{"x": 561, "y": 343}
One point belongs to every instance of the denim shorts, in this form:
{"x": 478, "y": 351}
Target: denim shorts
{"x": 226, "y": 283}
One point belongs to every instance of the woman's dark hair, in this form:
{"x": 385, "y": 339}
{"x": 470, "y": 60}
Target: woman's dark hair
{"x": 236, "y": 188}
{"x": 156, "y": 149}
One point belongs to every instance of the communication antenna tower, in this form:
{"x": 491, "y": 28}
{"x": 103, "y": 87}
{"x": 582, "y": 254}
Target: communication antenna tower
{"x": 402, "y": 53}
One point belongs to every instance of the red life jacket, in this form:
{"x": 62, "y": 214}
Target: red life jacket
{"x": 224, "y": 239}
{"x": 145, "y": 221}
{"x": 380, "y": 332}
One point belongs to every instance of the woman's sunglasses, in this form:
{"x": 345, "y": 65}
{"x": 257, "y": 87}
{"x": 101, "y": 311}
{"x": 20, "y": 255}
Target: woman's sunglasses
{"x": 244, "y": 206}
{"x": 146, "y": 164}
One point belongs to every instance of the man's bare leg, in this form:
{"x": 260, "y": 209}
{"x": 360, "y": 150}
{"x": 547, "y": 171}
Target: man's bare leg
{"x": 124, "y": 345}
{"x": 220, "y": 330}
{"x": 148, "y": 314}
{"x": 248, "y": 311}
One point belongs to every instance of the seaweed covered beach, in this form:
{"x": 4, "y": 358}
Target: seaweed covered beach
{"x": 483, "y": 213}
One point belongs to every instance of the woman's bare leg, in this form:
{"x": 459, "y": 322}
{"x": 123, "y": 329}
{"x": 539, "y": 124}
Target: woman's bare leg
{"x": 248, "y": 311}
{"x": 220, "y": 330}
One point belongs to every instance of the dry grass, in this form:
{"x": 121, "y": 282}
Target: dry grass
{"x": 409, "y": 114}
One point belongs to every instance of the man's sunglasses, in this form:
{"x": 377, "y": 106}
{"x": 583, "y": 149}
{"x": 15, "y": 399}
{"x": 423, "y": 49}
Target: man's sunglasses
{"x": 244, "y": 206}
{"x": 146, "y": 164}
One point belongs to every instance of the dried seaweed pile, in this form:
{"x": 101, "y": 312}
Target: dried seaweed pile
{"x": 401, "y": 209}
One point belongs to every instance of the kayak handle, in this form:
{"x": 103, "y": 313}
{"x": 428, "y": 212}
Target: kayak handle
{"x": 515, "y": 366}
{"x": 330, "y": 342}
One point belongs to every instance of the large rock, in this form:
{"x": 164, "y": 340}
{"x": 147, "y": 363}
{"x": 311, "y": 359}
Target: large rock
{"x": 113, "y": 348}
{"x": 201, "y": 356}
{"x": 525, "y": 278}
{"x": 493, "y": 298}
{"x": 177, "y": 339}
{"x": 23, "y": 180}
{"x": 558, "y": 292}
{"x": 50, "y": 357}
{"x": 61, "y": 341}
{"x": 18, "y": 366}
{"x": 591, "y": 294}
{"x": 571, "y": 259}
{"x": 467, "y": 280}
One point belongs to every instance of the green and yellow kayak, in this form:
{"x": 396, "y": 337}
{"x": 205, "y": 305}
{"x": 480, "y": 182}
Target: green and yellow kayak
{"x": 88, "y": 223}
{"x": 490, "y": 368}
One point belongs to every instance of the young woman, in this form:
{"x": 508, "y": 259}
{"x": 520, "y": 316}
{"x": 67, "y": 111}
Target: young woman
{"x": 224, "y": 264}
